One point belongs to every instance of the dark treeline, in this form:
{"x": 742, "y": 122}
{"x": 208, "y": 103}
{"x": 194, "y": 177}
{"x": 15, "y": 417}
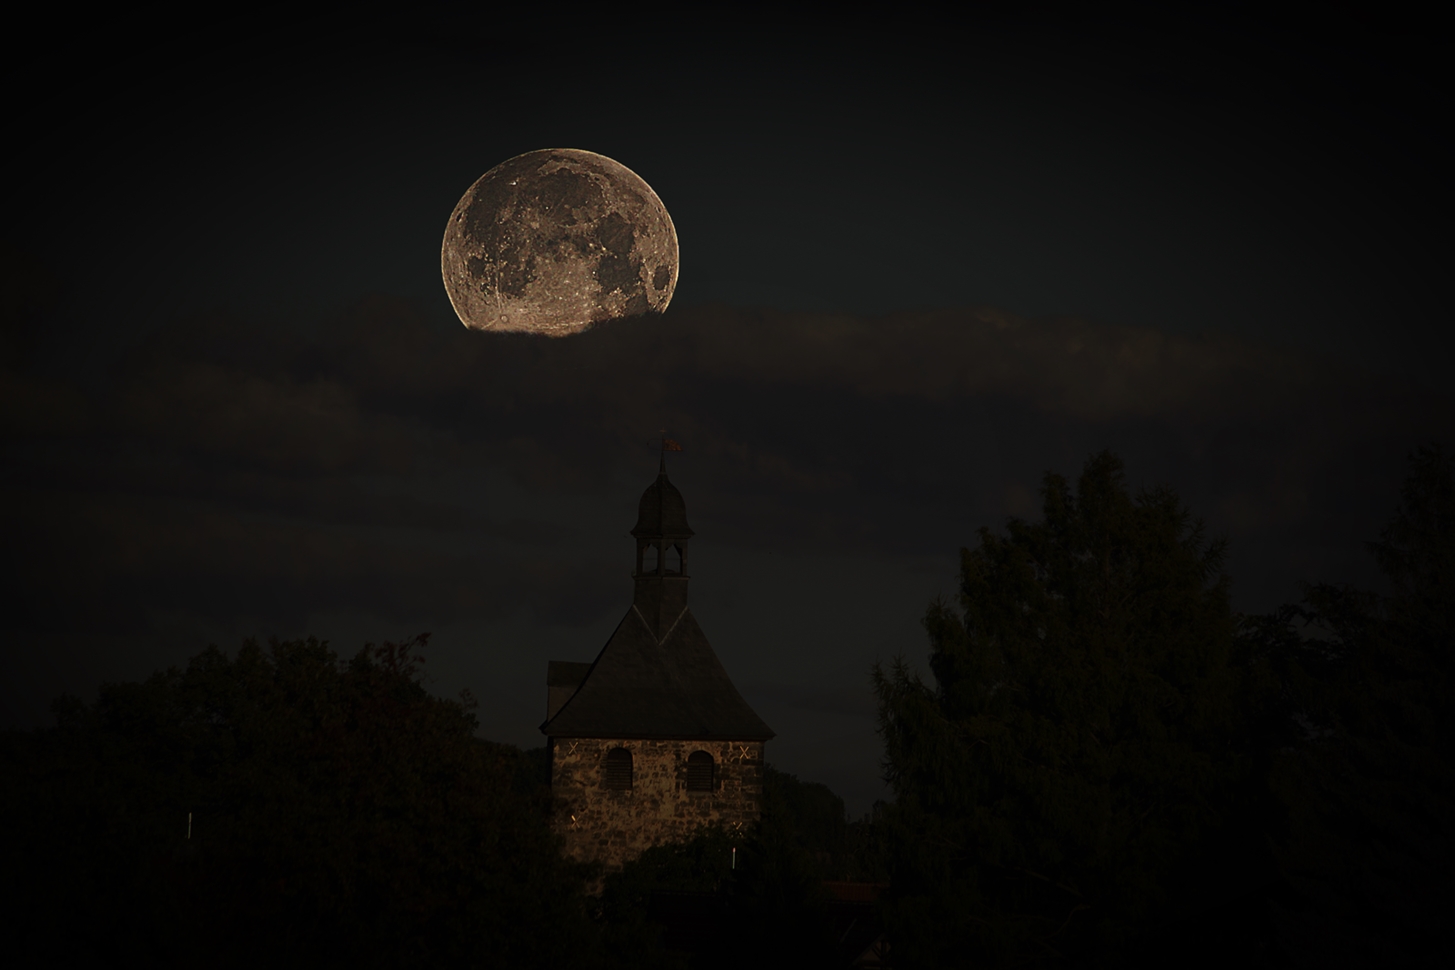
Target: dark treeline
{"x": 338, "y": 814}
{"x": 284, "y": 806}
{"x": 1109, "y": 767}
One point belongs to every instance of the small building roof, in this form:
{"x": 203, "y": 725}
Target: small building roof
{"x": 640, "y": 687}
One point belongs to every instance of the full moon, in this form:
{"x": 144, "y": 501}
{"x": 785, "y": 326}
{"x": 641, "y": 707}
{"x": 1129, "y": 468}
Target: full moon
{"x": 555, "y": 241}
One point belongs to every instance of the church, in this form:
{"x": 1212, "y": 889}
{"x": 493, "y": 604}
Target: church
{"x": 651, "y": 740}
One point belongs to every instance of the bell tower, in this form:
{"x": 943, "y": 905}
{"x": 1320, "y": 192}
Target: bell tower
{"x": 662, "y": 536}
{"x": 651, "y": 741}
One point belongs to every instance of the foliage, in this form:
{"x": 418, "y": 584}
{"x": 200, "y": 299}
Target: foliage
{"x": 1076, "y": 785}
{"x": 773, "y": 900}
{"x": 1368, "y": 777}
{"x": 338, "y": 814}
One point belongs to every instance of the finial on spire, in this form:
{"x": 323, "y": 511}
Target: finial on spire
{"x": 667, "y": 445}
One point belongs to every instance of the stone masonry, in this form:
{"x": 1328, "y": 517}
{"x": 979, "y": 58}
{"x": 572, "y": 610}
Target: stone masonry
{"x": 614, "y": 827}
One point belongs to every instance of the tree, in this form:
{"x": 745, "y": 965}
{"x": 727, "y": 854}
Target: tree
{"x": 1075, "y": 784}
{"x": 1367, "y": 779}
{"x": 282, "y": 806}
{"x": 763, "y": 905}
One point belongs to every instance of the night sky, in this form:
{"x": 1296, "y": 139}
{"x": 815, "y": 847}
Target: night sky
{"x": 921, "y": 266}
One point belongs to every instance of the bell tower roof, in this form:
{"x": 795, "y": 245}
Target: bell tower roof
{"x": 662, "y": 514}
{"x": 657, "y": 677}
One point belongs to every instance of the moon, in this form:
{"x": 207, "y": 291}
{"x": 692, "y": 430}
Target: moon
{"x": 556, "y": 241}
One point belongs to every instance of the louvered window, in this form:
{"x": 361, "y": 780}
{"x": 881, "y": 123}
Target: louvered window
{"x": 701, "y": 772}
{"x": 617, "y": 769}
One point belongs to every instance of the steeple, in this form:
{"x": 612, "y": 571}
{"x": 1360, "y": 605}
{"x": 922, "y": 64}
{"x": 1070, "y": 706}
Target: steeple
{"x": 662, "y": 534}
{"x": 651, "y": 741}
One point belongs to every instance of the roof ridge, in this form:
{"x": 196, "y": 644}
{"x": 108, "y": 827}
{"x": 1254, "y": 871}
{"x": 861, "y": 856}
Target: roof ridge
{"x": 643, "y": 686}
{"x": 670, "y": 628}
{"x": 641, "y": 617}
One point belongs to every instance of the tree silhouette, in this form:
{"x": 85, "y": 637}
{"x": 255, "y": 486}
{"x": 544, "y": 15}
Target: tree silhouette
{"x": 338, "y": 813}
{"x": 1367, "y": 776}
{"x": 764, "y": 905}
{"x": 1074, "y": 784}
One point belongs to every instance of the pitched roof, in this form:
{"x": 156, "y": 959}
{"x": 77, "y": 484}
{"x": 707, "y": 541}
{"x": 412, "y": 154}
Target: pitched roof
{"x": 639, "y": 687}
{"x": 562, "y": 679}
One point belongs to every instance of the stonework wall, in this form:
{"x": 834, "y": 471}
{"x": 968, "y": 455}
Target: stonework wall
{"x": 614, "y": 827}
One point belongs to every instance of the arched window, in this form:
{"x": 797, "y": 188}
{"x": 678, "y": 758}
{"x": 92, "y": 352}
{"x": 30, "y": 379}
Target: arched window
{"x": 617, "y": 770}
{"x": 701, "y": 772}
{"x": 650, "y": 559}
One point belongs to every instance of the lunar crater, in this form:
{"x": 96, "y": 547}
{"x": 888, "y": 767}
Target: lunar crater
{"x": 555, "y": 241}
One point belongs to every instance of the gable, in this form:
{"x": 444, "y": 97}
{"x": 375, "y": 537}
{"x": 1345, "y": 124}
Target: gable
{"x": 639, "y": 687}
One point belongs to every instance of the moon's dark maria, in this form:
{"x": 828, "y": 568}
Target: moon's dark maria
{"x": 555, "y": 241}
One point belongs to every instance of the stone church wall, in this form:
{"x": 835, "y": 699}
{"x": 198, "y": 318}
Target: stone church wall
{"x": 614, "y": 827}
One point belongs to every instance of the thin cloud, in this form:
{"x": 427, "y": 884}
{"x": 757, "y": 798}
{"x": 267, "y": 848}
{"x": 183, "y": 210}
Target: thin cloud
{"x": 231, "y": 469}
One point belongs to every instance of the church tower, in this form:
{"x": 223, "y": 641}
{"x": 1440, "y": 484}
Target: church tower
{"x": 651, "y": 740}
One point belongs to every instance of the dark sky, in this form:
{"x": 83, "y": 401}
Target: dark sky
{"x": 921, "y": 266}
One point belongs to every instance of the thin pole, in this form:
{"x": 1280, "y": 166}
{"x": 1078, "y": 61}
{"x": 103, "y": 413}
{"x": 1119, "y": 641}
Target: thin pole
{"x": 189, "y": 825}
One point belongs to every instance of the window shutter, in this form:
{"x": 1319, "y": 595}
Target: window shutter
{"x": 617, "y": 770}
{"x": 701, "y": 772}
